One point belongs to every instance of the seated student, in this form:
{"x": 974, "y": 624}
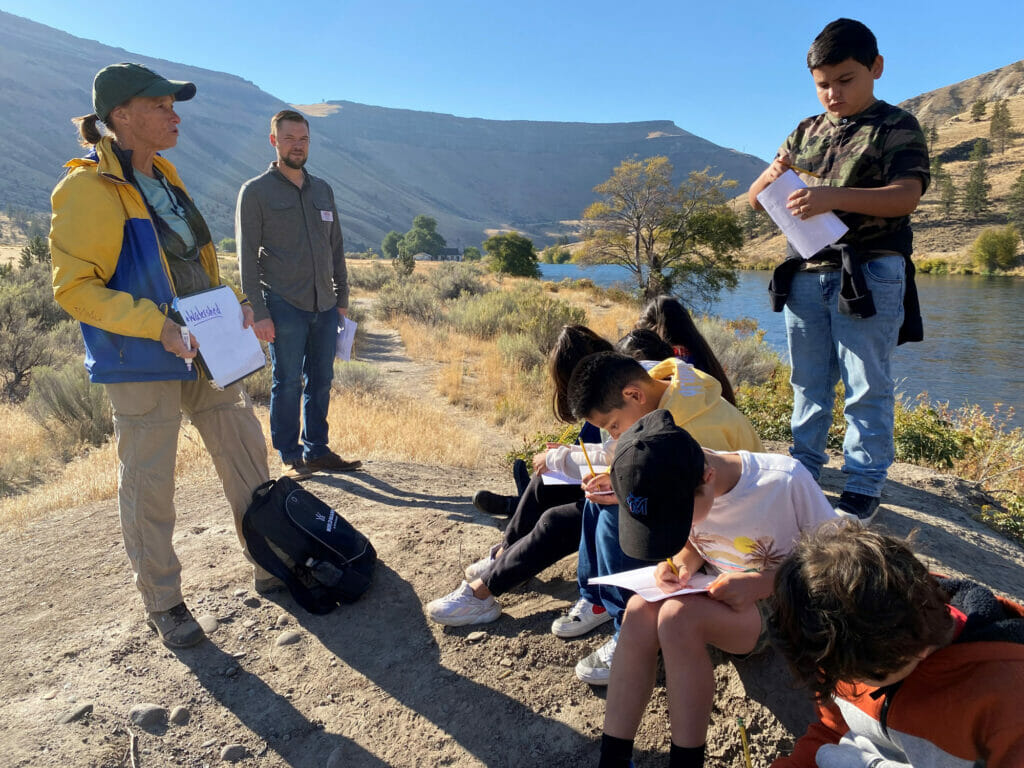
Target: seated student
{"x": 736, "y": 515}
{"x": 612, "y": 392}
{"x": 691, "y": 395}
{"x": 642, "y": 344}
{"x": 909, "y": 670}
{"x": 667, "y": 317}
{"x": 545, "y": 526}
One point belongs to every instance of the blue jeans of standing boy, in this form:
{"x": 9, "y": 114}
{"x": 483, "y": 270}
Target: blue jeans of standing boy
{"x": 601, "y": 555}
{"x": 302, "y": 355}
{"x": 825, "y": 345}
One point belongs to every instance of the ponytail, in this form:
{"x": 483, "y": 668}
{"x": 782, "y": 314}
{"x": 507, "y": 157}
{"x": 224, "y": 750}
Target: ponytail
{"x": 88, "y": 130}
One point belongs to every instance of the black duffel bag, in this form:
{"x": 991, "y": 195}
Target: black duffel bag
{"x": 316, "y": 552}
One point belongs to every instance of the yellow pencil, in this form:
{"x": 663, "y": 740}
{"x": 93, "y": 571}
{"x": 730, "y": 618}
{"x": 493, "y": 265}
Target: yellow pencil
{"x": 746, "y": 747}
{"x": 565, "y": 434}
{"x": 589, "y": 465}
{"x": 672, "y": 566}
{"x": 798, "y": 169}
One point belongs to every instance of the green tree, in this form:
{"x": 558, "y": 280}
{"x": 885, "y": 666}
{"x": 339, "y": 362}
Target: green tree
{"x": 471, "y": 253}
{"x": 555, "y": 254}
{"x": 389, "y": 245}
{"x": 422, "y": 238}
{"x": 1000, "y": 128}
{"x": 36, "y": 252}
{"x": 978, "y": 110}
{"x": 1015, "y": 200}
{"x": 667, "y": 237}
{"x": 404, "y": 263}
{"x": 933, "y": 137}
{"x": 511, "y": 254}
{"x": 975, "y": 196}
{"x": 947, "y": 194}
{"x": 227, "y": 245}
{"x": 753, "y": 222}
{"x": 996, "y": 248}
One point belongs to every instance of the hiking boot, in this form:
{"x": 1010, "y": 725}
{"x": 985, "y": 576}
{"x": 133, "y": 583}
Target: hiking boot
{"x": 857, "y": 506}
{"x": 494, "y": 503}
{"x": 267, "y": 585}
{"x": 596, "y": 668}
{"x": 462, "y": 607}
{"x": 521, "y": 475}
{"x": 476, "y": 570}
{"x": 176, "y": 626}
{"x": 332, "y": 462}
{"x": 296, "y": 470}
{"x": 581, "y": 618}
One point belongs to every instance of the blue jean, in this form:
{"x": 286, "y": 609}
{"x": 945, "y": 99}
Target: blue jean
{"x": 825, "y": 345}
{"x": 601, "y": 555}
{"x": 302, "y": 355}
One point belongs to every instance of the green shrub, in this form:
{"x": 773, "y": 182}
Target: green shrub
{"x": 451, "y": 280}
{"x": 357, "y": 377}
{"x": 526, "y": 310}
{"x": 933, "y": 266}
{"x": 65, "y": 396}
{"x": 413, "y": 300}
{"x": 996, "y": 248}
{"x": 520, "y": 350}
{"x": 371, "y": 278}
{"x": 923, "y": 435}
{"x": 741, "y": 350}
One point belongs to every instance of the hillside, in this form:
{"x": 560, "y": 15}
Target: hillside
{"x": 386, "y": 165}
{"x": 936, "y": 234}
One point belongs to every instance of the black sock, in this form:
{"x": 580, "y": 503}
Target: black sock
{"x": 615, "y": 753}
{"x": 686, "y": 757}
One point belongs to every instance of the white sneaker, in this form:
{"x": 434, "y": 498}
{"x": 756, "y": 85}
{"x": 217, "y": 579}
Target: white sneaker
{"x": 475, "y": 570}
{"x": 597, "y": 667}
{"x": 462, "y": 607}
{"x": 580, "y": 619}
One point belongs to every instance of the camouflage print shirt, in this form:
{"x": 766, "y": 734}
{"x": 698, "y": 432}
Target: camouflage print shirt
{"x": 872, "y": 149}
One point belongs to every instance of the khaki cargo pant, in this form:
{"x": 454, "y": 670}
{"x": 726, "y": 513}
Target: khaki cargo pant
{"x": 147, "y": 418}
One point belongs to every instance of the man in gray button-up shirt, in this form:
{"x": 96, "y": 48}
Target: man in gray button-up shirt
{"x": 292, "y": 264}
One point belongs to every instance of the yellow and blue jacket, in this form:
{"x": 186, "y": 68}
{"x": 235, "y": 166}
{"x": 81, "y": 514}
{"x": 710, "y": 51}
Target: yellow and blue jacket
{"x": 109, "y": 271}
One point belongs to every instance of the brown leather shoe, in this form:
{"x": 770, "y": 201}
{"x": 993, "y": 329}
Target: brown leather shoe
{"x": 332, "y": 462}
{"x": 297, "y": 470}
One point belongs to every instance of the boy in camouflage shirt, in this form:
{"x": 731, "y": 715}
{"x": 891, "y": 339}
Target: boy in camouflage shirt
{"x": 844, "y": 307}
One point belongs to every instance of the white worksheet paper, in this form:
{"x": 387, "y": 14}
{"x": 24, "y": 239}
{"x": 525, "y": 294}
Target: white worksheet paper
{"x": 229, "y": 351}
{"x": 346, "y": 335}
{"x": 641, "y": 581}
{"x": 807, "y": 236}
{"x": 551, "y": 477}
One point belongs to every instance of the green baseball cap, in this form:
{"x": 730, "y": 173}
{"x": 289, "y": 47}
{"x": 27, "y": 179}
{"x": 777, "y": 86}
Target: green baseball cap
{"x": 116, "y": 84}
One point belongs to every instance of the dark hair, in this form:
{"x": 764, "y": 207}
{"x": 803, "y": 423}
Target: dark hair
{"x": 287, "y": 115}
{"x": 841, "y": 40}
{"x": 642, "y": 344}
{"x": 598, "y": 380}
{"x": 667, "y": 317}
{"x": 574, "y": 342}
{"x": 88, "y": 130}
{"x": 851, "y": 605}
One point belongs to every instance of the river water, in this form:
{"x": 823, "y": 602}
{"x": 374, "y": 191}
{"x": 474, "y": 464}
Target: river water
{"x": 974, "y": 333}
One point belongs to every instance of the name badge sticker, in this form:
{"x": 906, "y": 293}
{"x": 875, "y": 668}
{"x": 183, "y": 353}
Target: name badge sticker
{"x": 327, "y": 215}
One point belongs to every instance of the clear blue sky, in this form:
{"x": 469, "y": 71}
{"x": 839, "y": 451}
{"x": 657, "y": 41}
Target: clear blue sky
{"x": 730, "y": 71}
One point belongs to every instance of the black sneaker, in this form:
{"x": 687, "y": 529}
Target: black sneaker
{"x": 494, "y": 503}
{"x": 858, "y": 506}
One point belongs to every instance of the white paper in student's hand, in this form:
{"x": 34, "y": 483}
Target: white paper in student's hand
{"x": 551, "y": 477}
{"x": 346, "y": 335}
{"x": 807, "y": 236}
{"x": 641, "y": 581}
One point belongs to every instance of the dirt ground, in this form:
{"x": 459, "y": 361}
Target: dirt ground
{"x": 374, "y": 683}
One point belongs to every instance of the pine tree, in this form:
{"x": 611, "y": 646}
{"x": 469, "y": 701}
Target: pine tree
{"x": 975, "y": 199}
{"x": 978, "y": 110}
{"x": 947, "y": 194}
{"x": 1001, "y": 127}
{"x": 1016, "y": 203}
